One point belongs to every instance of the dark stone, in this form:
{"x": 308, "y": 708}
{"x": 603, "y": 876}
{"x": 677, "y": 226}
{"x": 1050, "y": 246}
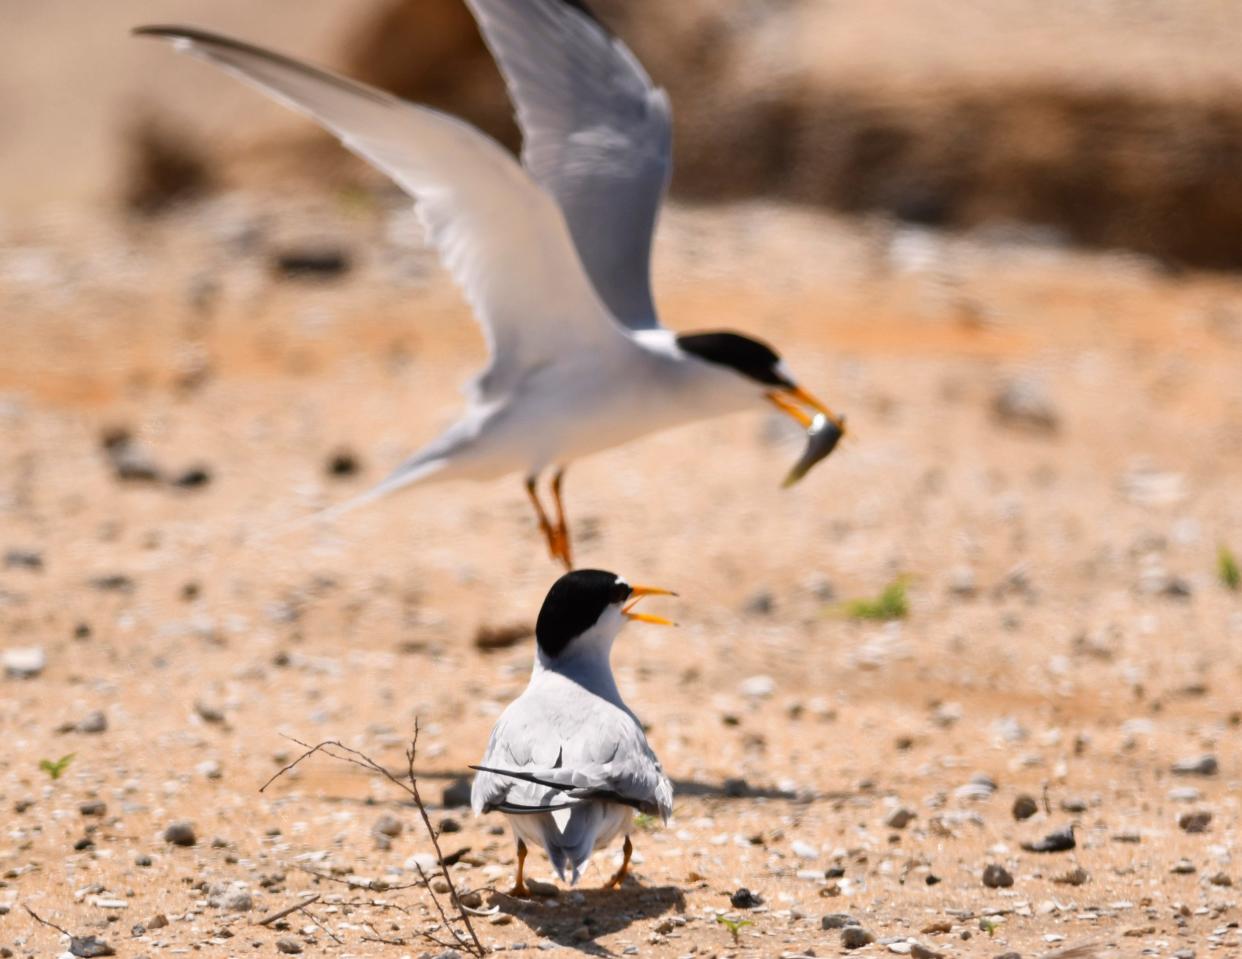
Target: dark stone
{"x": 456, "y": 794}
{"x": 997, "y": 877}
{"x": 323, "y": 264}
{"x": 342, "y": 463}
{"x": 180, "y": 833}
{"x": 1060, "y": 841}
{"x": 89, "y": 947}
{"x": 23, "y": 559}
{"x": 855, "y": 937}
{"x": 745, "y": 899}
{"x": 195, "y": 477}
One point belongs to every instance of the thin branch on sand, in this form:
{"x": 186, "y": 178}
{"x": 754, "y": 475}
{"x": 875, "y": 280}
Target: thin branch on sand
{"x": 342, "y": 753}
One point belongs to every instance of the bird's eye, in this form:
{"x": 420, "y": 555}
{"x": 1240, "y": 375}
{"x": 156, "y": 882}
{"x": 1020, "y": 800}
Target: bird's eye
{"x": 620, "y": 592}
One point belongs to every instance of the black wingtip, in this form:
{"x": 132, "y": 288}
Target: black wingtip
{"x": 581, "y": 6}
{"x": 166, "y": 31}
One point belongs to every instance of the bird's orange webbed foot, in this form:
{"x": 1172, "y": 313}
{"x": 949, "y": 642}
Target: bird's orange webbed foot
{"x": 619, "y": 877}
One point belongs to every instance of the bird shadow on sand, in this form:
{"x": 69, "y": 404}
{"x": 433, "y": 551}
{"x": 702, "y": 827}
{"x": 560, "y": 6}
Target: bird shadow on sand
{"x": 577, "y": 921}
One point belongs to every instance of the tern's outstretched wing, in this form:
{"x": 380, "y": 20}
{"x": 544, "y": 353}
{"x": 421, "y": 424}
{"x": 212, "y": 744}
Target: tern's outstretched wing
{"x": 502, "y": 237}
{"x": 597, "y": 134}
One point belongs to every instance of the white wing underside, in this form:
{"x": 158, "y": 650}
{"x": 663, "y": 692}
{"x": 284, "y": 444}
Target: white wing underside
{"x": 501, "y": 236}
{"x": 597, "y": 135}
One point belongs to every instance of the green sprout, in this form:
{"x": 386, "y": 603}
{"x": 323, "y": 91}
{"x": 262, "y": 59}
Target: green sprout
{"x": 1228, "y": 570}
{"x": 890, "y": 604}
{"x": 54, "y": 769}
{"x": 645, "y": 822}
{"x": 988, "y": 926}
{"x": 733, "y": 925}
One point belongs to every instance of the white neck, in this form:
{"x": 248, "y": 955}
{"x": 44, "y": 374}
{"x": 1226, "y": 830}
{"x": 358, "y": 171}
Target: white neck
{"x": 586, "y": 660}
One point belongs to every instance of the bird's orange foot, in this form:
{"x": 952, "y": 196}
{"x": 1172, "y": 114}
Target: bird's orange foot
{"x": 519, "y": 890}
{"x": 617, "y": 879}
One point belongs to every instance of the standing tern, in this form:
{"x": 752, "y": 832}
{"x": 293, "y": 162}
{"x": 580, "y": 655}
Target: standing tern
{"x": 568, "y": 762}
{"x": 553, "y": 254}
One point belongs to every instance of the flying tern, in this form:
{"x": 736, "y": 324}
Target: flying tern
{"x": 568, "y": 762}
{"x": 552, "y": 253}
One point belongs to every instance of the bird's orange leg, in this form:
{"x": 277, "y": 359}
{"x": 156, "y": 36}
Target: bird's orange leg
{"x": 560, "y": 535}
{"x": 519, "y": 889}
{"x": 627, "y": 850}
{"x": 545, "y": 527}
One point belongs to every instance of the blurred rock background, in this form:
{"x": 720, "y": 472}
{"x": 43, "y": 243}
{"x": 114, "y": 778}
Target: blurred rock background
{"x": 1113, "y": 123}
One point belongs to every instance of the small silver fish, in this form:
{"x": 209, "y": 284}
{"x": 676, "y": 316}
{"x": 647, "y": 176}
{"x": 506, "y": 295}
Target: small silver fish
{"x": 821, "y": 439}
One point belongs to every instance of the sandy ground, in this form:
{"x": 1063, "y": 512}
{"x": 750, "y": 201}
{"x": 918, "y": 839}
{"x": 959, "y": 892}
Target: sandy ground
{"x": 1067, "y": 637}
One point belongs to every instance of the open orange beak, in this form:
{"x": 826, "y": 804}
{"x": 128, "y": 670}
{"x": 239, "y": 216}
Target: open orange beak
{"x": 784, "y": 398}
{"x": 637, "y": 593}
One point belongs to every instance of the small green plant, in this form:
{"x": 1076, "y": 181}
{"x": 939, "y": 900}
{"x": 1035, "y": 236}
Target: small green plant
{"x": 1228, "y": 570}
{"x": 55, "y": 769}
{"x": 988, "y": 926}
{"x": 890, "y": 604}
{"x": 644, "y": 822}
{"x": 734, "y": 926}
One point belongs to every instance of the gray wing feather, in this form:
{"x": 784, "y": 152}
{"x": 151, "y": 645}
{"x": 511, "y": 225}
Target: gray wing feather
{"x": 602, "y": 753}
{"x": 500, "y": 235}
{"x": 597, "y": 134}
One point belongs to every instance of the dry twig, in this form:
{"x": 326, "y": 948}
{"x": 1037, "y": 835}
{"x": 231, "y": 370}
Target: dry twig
{"x": 280, "y": 914}
{"x": 342, "y": 753}
{"x": 51, "y": 925}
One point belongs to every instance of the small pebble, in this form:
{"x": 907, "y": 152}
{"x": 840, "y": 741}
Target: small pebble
{"x": 195, "y": 477}
{"x": 1183, "y": 867}
{"x": 1205, "y": 765}
{"x": 855, "y": 937}
{"x": 1075, "y": 877}
{"x": 745, "y": 899}
{"x": 1195, "y": 822}
{"x": 208, "y": 712}
{"x": 89, "y": 947}
{"x": 23, "y": 559}
{"x": 1024, "y": 807}
{"x": 900, "y": 817}
{"x": 96, "y": 807}
{"x": 997, "y": 877}
{"x": 289, "y": 946}
{"x": 837, "y": 920}
{"x": 24, "y": 662}
{"x": 1060, "y": 841}
{"x": 1023, "y": 403}
{"x": 761, "y": 604}
{"x": 180, "y": 833}
{"x": 388, "y": 825}
{"x": 342, "y": 463}
{"x": 93, "y": 722}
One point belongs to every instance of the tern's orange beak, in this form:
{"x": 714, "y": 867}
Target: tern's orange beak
{"x": 637, "y": 593}
{"x": 784, "y": 398}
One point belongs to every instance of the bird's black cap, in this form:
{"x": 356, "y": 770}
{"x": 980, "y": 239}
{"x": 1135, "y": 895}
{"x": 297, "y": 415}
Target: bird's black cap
{"x": 574, "y": 604}
{"x": 751, "y": 358}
